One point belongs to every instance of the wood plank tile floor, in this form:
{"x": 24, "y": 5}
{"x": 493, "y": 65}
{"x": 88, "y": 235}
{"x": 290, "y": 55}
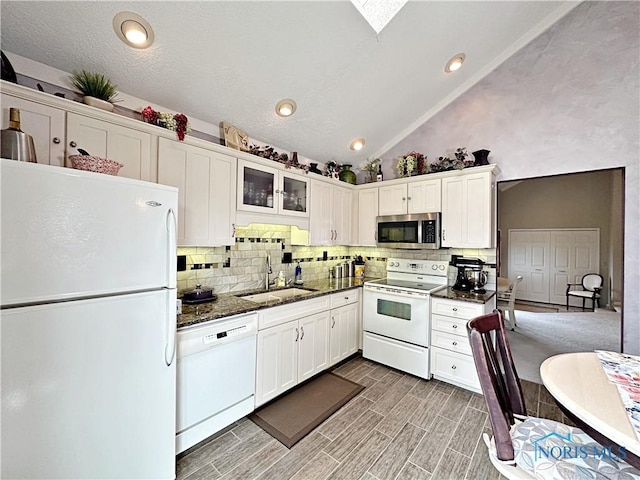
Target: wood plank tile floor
{"x": 399, "y": 427}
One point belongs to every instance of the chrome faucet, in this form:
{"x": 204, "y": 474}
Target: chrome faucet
{"x": 268, "y": 272}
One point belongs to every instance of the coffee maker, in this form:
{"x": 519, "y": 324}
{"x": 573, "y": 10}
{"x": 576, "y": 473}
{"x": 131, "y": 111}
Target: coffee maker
{"x": 469, "y": 277}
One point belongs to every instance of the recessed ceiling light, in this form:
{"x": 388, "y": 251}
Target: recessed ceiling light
{"x": 454, "y": 63}
{"x": 133, "y": 30}
{"x": 357, "y": 144}
{"x": 286, "y": 107}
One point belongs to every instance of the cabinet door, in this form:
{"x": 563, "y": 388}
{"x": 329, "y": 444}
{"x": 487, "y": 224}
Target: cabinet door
{"x": 313, "y": 356}
{"x": 423, "y": 197}
{"x": 342, "y": 199}
{"x": 320, "y": 221}
{"x": 45, "y": 124}
{"x": 344, "y": 332}
{"x": 257, "y": 187}
{"x": 277, "y": 361}
{"x": 103, "y": 139}
{"x": 205, "y": 180}
{"x": 467, "y": 211}
{"x": 367, "y": 213}
{"x": 392, "y": 200}
{"x": 293, "y": 195}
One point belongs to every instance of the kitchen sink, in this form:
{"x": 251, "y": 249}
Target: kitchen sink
{"x": 276, "y": 295}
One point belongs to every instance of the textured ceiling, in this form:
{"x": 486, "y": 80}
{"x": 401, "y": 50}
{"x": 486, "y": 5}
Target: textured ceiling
{"x": 233, "y": 61}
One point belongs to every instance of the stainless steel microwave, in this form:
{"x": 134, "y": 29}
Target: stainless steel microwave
{"x": 409, "y": 231}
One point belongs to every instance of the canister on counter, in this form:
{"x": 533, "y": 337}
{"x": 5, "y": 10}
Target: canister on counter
{"x": 358, "y": 270}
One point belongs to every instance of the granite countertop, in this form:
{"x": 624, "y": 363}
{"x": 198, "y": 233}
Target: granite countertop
{"x": 229, "y": 304}
{"x": 452, "y": 294}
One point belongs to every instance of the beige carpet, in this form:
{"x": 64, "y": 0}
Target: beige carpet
{"x": 539, "y": 336}
{"x": 289, "y": 418}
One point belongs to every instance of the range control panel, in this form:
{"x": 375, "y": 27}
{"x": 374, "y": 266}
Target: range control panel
{"x": 430, "y": 267}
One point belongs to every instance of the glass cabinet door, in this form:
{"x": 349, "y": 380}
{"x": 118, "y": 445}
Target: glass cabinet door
{"x": 294, "y": 193}
{"x": 256, "y": 190}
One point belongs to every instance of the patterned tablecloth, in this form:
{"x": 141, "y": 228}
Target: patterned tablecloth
{"x": 624, "y": 372}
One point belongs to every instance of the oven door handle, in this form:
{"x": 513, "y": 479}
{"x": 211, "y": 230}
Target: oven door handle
{"x": 395, "y": 293}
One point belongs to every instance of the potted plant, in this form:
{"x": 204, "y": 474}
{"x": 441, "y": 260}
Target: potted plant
{"x": 97, "y": 90}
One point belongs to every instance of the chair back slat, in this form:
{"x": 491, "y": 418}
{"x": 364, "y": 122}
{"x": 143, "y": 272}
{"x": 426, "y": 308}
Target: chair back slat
{"x": 498, "y": 377}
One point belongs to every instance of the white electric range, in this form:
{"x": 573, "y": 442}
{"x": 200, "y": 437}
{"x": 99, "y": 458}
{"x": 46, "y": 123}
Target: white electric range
{"x": 396, "y": 314}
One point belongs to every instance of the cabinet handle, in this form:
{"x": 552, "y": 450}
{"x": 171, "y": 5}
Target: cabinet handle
{"x": 333, "y": 322}
{"x": 346, "y": 298}
{"x": 302, "y": 335}
{"x": 234, "y": 230}
{"x": 277, "y": 191}
{"x": 453, "y": 367}
{"x": 443, "y": 235}
{"x": 455, "y": 309}
{"x": 73, "y": 144}
{"x": 297, "y": 334}
{"x": 403, "y": 199}
{"x": 375, "y": 235}
{"x": 408, "y": 198}
{"x": 455, "y": 343}
{"x": 454, "y": 326}
{"x": 56, "y": 140}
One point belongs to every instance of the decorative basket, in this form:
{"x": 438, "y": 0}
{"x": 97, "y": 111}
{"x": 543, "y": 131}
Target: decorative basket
{"x": 95, "y": 164}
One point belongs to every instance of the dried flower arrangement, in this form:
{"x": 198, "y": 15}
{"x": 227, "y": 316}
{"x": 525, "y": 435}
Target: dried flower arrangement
{"x": 331, "y": 169}
{"x": 371, "y": 168}
{"x": 413, "y": 163}
{"x": 178, "y": 122}
{"x": 445, "y": 163}
{"x": 271, "y": 154}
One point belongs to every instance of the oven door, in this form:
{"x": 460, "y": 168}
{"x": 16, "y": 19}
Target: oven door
{"x": 399, "y": 314}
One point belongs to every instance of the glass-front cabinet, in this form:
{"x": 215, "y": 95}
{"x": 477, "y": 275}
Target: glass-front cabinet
{"x": 263, "y": 189}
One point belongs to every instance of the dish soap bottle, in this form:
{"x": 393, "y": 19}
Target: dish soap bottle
{"x": 298, "y": 275}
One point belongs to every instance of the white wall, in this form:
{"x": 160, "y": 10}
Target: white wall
{"x": 567, "y": 102}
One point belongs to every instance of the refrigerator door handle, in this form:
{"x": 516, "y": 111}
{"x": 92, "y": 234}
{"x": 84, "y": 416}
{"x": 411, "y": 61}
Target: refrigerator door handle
{"x": 171, "y": 246}
{"x": 172, "y": 327}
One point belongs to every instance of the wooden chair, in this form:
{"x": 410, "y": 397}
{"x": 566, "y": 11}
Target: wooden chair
{"x": 519, "y": 442}
{"x": 507, "y": 300}
{"x": 591, "y": 286}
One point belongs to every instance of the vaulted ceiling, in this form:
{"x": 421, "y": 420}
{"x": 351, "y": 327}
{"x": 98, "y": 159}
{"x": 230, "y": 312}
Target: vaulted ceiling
{"x": 234, "y": 60}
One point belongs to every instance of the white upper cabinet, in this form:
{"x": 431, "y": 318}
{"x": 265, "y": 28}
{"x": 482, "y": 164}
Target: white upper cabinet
{"x": 331, "y": 214}
{"x": 130, "y": 147}
{"x": 412, "y": 197}
{"x": 367, "y": 213}
{"x": 263, "y": 189}
{"x": 206, "y": 181}
{"x": 468, "y": 204}
{"x": 44, "y": 123}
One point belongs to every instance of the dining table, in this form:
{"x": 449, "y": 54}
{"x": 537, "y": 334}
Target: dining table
{"x": 580, "y": 387}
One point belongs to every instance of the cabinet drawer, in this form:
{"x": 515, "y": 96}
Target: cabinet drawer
{"x": 341, "y": 299}
{"x": 454, "y": 368}
{"x": 455, "y": 343}
{"x": 454, "y": 326}
{"x": 452, "y": 308}
{"x": 270, "y": 317}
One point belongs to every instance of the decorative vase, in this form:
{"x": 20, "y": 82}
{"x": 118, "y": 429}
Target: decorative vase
{"x": 481, "y": 157}
{"x": 96, "y": 102}
{"x": 346, "y": 175}
{"x": 314, "y": 168}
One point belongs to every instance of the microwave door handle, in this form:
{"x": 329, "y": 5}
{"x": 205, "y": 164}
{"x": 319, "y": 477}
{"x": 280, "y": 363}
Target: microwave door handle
{"x": 420, "y": 226}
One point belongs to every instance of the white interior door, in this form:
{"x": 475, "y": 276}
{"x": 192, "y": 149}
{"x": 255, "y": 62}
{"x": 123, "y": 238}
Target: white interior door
{"x": 529, "y": 257}
{"x": 574, "y": 253}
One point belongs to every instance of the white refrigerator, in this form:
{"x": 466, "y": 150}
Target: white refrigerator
{"x": 87, "y": 325}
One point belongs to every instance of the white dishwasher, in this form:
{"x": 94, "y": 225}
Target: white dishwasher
{"x": 216, "y": 369}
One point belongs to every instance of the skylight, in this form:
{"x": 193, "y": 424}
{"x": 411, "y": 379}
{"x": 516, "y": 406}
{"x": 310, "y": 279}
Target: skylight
{"x": 378, "y": 12}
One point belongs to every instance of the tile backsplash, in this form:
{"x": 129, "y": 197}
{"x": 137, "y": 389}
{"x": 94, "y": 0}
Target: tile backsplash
{"x": 242, "y": 266}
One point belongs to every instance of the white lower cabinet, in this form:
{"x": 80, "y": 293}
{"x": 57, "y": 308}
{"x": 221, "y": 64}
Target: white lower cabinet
{"x": 345, "y": 324}
{"x": 451, "y": 357}
{"x": 299, "y": 340}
